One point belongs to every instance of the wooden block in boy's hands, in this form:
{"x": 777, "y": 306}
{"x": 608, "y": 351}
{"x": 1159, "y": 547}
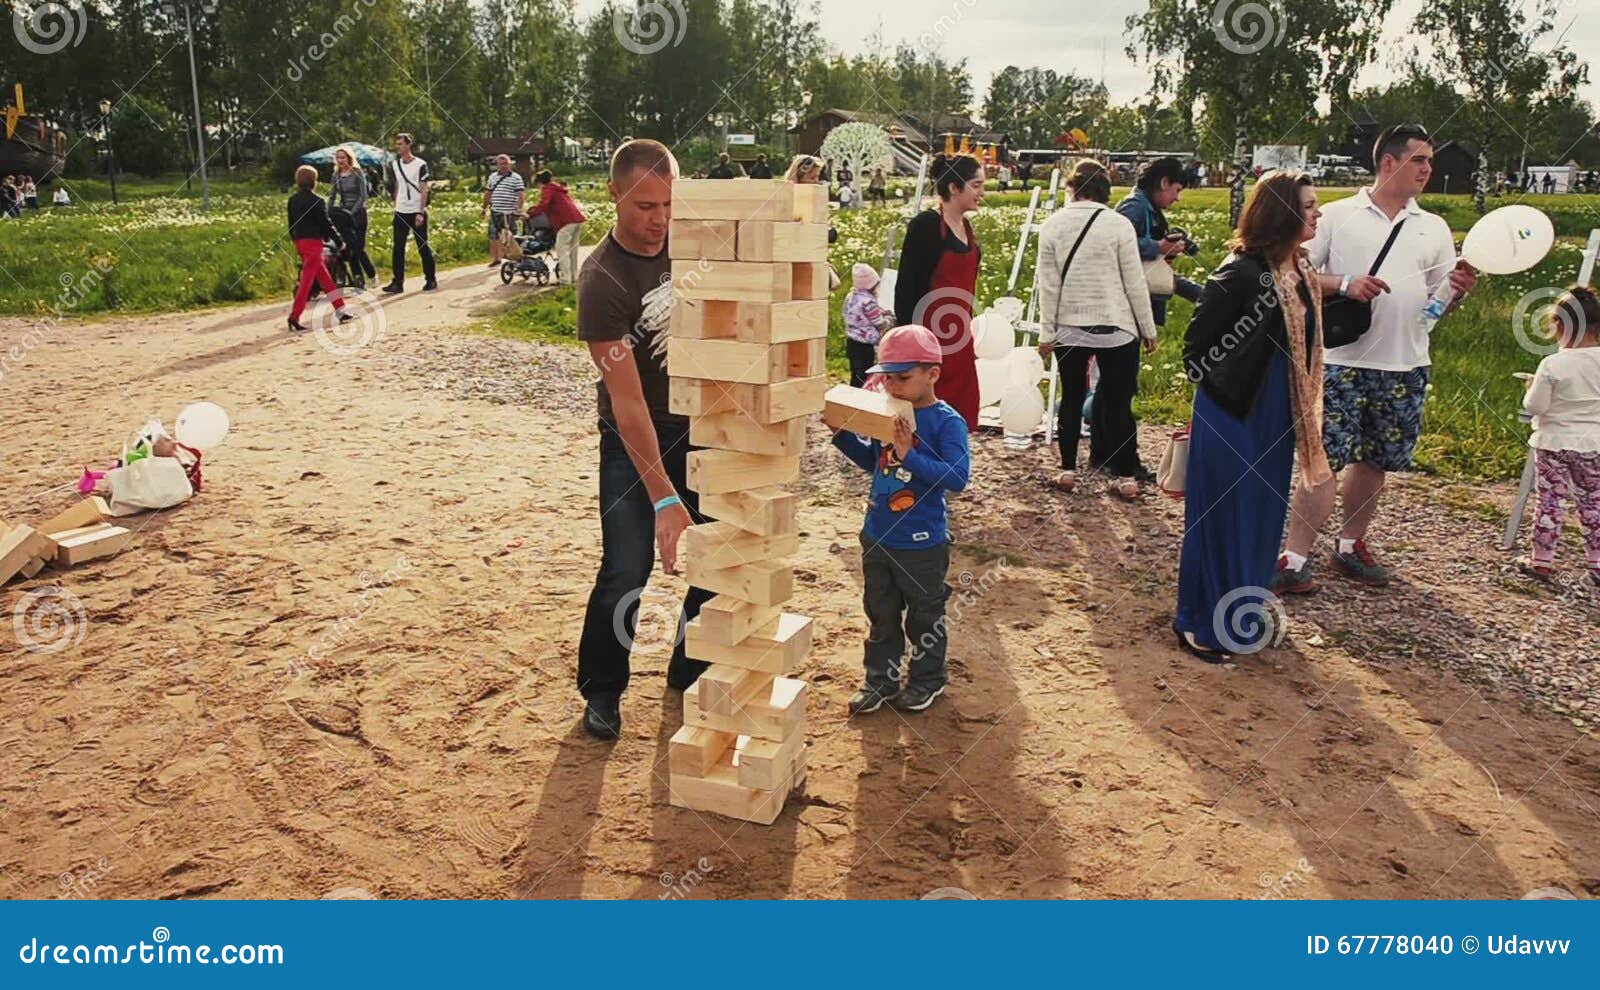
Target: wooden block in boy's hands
{"x": 870, "y": 414}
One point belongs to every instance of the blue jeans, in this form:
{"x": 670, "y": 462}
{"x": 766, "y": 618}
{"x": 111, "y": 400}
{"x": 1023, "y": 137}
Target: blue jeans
{"x": 627, "y": 556}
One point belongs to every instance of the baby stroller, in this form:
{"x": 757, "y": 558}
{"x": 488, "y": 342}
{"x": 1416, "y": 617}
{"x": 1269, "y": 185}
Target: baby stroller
{"x": 537, "y": 243}
{"x": 342, "y": 267}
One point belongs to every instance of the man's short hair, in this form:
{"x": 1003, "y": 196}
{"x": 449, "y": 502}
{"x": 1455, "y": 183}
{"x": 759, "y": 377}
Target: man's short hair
{"x": 1394, "y": 140}
{"x": 643, "y": 153}
{"x": 406, "y": 137}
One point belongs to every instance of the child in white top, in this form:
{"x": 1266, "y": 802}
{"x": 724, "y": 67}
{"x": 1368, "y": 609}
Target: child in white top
{"x": 1564, "y": 398}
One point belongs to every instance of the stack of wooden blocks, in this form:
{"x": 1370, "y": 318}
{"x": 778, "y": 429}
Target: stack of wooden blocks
{"x": 746, "y": 355}
{"x": 73, "y": 536}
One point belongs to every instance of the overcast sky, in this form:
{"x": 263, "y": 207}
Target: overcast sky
{"x": 1072, "y": 34}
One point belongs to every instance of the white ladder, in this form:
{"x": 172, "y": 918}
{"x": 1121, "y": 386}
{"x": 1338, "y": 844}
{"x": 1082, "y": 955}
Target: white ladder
{"x": 1029, "y": 325}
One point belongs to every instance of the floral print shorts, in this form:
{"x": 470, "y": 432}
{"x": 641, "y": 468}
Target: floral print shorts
{"x": 1372, "y": 417}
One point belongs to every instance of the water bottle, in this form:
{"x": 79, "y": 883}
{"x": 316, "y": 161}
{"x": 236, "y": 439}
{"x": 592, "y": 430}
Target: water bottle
{"x": 1438, "y": 302}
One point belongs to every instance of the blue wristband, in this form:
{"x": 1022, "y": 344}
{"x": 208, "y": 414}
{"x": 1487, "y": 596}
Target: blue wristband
{"x": 668, "y": 501}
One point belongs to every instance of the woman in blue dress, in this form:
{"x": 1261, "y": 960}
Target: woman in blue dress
{"x": 1254, "y": 349}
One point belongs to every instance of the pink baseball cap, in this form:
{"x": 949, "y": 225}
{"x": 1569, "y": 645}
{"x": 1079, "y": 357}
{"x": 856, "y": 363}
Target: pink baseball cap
{"x": 904, "y": 348}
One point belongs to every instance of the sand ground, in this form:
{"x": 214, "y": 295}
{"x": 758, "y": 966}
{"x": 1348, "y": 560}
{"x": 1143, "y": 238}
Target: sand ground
{"x": 347, "y": 668}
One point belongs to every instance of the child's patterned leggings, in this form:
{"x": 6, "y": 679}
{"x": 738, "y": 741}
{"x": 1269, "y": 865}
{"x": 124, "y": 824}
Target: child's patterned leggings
{"x": 1563, "y": 475}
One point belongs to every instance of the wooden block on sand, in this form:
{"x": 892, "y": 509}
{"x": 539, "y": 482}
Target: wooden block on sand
{"x": 712, "y": 240}
{"x": 78, "y": 545}
{"x": 719, "y": 792}
{"x": 766, "y": 583}
{"x": 88, "y": 512}
{"x": 776, "y": 648}
{"x": 769, "y": 511}
{"x": 737, "y": 281}
{"x": 717, "y": 471}
{"x": 763, "y": 403}
{"x": 20, "y": 546}
{"x": 691, "y": 752}
{"x": 764, "y": 764}
{"x": 870, "y": 414}
{"x": 773, "y": 715}
{"x": 725, "y": 689}
{"x": 726, "y": 620}
{"x": 754, "y": 323}
{"x": 764, "y": 240}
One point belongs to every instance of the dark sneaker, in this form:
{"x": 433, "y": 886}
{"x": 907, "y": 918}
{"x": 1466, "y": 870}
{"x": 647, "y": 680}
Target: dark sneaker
{"x": 916, "y": 699}
{"x": 1360, "y": 565}
{"x": 602, "y": 718}
{"x": 1292, "y": 580}
{"x": 870, "y": 699}
{"x": 429, "y": 285}
{"x": 394, "y": 287}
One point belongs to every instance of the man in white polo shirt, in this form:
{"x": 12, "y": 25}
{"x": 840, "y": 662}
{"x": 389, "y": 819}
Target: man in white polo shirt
{"x": 1374, "y": 388}
{"x": 408, "y": 180}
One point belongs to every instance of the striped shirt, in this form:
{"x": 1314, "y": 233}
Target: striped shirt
{"x": 503, "y": 190}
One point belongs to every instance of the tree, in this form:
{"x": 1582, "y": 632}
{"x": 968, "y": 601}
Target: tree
{"x": 1254, "y": 69}
{"x": 864, "y": 146}
{"x": 1487, "y": 47}
{"x": 1035, "y": 105}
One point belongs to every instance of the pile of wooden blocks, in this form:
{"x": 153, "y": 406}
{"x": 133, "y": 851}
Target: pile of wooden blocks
{"x": 746, "y": 355}
{"x": 73, "y": 536}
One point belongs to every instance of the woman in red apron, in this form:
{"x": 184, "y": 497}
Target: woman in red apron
{"x": 939, "y": 273}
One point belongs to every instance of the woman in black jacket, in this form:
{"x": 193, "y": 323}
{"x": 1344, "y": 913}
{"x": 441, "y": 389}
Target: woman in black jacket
{"x": 308, "y": 226}
{"x": 1254, "y": 348}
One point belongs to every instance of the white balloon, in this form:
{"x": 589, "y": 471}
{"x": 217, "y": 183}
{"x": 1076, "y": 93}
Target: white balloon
{"x": 202, "y": 425}
{"x": 991, "y": 381}
{"x": 1008, "y": 308}
{"x": 1024, "y": 366}
{"x": 1022, "y": 409}
{"x": 991, "y": 336}
{"x": 1509, "y": 240}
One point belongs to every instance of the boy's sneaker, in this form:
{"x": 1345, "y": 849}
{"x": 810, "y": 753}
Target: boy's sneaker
{"x": 1292, "y": 580}
{"x": 916, "y": 699}
{"x": 1360, "y": 565}
{"x": 870, "y": 699}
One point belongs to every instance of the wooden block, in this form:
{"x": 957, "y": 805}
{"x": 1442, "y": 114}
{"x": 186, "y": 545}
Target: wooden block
{"x": 719, "y": 792}
{"x": 807, "y": 358}
{"x": 738, "y": 199}
{"x": 692, "y": 752}
{"x": 808, "y": 281}
{"x": 766, "y": 583}
{"x": 768, "y": 511}
{"x": 764, "y": 240}
{"x": 810, "y": 203}
{"x": 33, "y": 566}
{"x": 737, "y": 281}
{"x": 726, "y": 620}
{"x": 725, "y": 689}
{"x": 722, "y": 544}
{"x": 870, "y": 414}
{"x": 773, "y": 403}
{"x": 716, "y": 471}
{"x": 764, "y": 764}
{"x": 776, "y": 648}
{"x": 771, "y": 716}
{"x": 712, "y": 240}
{"x": 730, "y": 360}
{"x": 88, "y": 512}
{"x": 78, "y": 545}
{"x": 18, "y": 548}
{"x": 736, "y": 431}
{"x": 755, "y": 323}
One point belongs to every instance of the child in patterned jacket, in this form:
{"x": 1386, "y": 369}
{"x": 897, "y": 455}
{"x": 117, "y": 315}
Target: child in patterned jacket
{"x": 864, "y": 322}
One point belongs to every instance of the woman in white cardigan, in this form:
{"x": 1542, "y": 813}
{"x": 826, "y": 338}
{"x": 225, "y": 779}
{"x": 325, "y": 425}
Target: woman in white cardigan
{"x": 1097, "y": 307}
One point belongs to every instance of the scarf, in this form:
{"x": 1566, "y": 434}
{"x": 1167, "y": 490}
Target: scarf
{"x": 1305, "y": 372}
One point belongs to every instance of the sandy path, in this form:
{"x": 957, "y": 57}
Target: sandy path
{"x": 348, "y": 664}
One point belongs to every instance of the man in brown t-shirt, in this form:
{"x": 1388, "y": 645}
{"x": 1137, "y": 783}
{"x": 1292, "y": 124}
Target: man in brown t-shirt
{"x": 625, "y": 298}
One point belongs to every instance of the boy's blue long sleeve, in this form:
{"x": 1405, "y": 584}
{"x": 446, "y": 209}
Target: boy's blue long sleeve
{"x": 864, "y": 454}
{"x": 942, "y": 461}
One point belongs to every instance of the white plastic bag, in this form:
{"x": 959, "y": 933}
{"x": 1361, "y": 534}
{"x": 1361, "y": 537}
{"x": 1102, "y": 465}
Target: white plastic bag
{"x": 148, "y": 483}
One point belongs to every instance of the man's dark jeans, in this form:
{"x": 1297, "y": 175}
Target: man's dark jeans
{"x": 627, "y": 556}
{"x": 405, "y": 225}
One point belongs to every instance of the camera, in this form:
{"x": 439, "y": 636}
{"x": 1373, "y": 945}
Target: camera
{"x": 1190, "y": 248}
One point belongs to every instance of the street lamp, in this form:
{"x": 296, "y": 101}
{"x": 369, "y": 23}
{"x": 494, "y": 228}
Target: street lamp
{"x": 111, "y": 157}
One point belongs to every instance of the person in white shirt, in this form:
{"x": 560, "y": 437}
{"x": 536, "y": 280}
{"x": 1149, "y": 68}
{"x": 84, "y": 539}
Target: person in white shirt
{"x": 1564, "y": 398}
{"x": 408, "y": 179}
{"x": 1374, "y": 388}
{"x": 60, "y": 197}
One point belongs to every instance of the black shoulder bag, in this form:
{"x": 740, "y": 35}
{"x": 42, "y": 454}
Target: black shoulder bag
{"x": 1345, "y": 320}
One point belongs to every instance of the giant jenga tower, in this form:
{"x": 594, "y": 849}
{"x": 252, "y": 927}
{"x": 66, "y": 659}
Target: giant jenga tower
{"x": 746, "y": 356}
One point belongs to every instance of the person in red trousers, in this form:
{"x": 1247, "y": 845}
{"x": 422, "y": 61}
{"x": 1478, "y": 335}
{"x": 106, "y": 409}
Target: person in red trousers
{"x": 309, "y": 224}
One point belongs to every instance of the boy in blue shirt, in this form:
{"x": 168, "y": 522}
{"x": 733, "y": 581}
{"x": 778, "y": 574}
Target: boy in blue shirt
{"x": 905, "y": 539}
